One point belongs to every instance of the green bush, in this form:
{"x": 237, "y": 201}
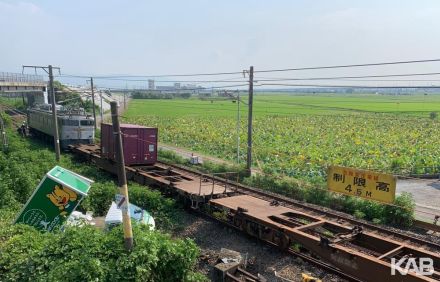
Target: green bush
{"x": 89, "y": 254}
{"x": 402, "y": 214}
{"x": 359, "y": 214}
{"x": 170, "y": 156}
{"x": 99, "y": 198}
{"x": 7, "y": 121}
{"x": 164, "y": 210}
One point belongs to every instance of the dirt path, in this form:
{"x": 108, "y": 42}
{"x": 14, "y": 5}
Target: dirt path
{"x": 185, "y": 153}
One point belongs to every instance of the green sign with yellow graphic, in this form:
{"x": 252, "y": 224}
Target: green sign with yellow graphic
{"x": 55, "y": 198}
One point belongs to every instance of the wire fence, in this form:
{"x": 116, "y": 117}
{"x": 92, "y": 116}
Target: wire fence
{"x": 18, "y": 77}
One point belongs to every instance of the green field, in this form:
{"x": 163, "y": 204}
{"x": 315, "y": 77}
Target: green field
{"x": 265, "y": 104}
{"x": 300, "y": 135}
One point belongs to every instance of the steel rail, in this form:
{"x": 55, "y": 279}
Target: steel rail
{"x": 318, "y": 263}
{"x": 288, "y": 202}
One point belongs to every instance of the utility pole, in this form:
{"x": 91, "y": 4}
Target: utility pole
{"x": 251, "y": 98}
{"x": 238, "y": 127}
{"x": 100, "y": 112}
{"x": 93, "y": 100}
{"x": 122, "y": 178}
{"x": 56, "y": 138}
{"x": 125, "y": 92}
{"x": 124, "y": 100}
{"x": 3, "y": 132}
{"x": 22, "y": 96}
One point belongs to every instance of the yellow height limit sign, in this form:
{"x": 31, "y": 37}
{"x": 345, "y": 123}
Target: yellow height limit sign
{"x": 362, "y": 183}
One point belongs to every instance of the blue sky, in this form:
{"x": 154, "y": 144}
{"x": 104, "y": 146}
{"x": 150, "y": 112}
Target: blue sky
{"x": 155, "y": 37}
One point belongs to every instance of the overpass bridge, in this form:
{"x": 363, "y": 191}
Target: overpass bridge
{"x": 24, "y": 85}
{"x": 17, "y": 82}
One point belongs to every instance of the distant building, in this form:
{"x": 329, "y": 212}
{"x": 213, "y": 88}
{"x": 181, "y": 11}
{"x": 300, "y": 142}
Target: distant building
{"x": 177, "y": 85}
{"x": 165, "y": 88}
{"x": 191, "y": 86}
{"x": 151, "y": 84}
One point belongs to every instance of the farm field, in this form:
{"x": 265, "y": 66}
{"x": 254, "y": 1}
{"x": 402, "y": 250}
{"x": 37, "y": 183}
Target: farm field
{"x": 300, "y": 135}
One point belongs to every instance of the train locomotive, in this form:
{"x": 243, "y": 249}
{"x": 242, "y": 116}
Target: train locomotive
{"x": 75, "y": 126}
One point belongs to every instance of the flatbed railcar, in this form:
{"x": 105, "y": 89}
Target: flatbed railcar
{"x": 75, "y": 126}
{"x": 355, "y": 252}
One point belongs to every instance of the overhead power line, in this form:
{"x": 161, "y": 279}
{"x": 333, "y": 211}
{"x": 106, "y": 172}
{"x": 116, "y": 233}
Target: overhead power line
{"x": 389, "y": 80}
{"x": 183, "y": 81}
{"x": 350, "y": 66}
{"x": 350, "y": 77}
{"x": 152, "y": 76}
{"x": 180, "y": 89}
{"x": 244, "y": 71}
{"x": 346, "y": 86}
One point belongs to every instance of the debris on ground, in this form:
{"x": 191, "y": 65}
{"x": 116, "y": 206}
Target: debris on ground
{"x": 80, "y": 219}
{"x": 259, "y": 258}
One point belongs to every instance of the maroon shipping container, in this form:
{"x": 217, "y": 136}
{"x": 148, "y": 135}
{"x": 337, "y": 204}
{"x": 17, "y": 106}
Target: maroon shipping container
{"x": 139, "y": 143}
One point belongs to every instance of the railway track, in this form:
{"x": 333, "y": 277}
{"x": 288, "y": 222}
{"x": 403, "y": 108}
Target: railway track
{"x": 16, "y": 115}
{"x": 319, "y": 211}
{"x": 12, "y": 111}
{"x": 353, "y": 249}
{"x": 314, "y": 261}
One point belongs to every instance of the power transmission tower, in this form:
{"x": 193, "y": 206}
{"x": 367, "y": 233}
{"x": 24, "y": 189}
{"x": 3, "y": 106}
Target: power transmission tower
{"x": 93, "y": 99}
{"x": 122, "y": 178}
{"x": 250, "y": 103}
{"x": 56, "y": 137}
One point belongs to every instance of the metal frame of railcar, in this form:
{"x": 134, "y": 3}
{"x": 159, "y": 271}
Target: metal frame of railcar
{"x": 349, "y": 250}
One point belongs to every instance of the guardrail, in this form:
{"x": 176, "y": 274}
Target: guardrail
{"x": 18, "y": 77}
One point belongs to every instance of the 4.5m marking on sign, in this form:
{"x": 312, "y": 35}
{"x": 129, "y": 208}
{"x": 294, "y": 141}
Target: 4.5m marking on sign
{"x": 362, "y": 183}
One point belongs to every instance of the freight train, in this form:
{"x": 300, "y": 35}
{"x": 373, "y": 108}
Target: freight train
{"x": 75, "y": 126}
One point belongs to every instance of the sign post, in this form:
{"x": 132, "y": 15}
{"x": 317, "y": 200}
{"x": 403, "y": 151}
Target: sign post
{"x": 362, "y": 183}
{"x": 55, "y": 198}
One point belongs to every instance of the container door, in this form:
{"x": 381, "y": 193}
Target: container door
{"x": 107, "y": 142}
{"x": 151, "y": 148}
{"x": 131, "y": 143}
